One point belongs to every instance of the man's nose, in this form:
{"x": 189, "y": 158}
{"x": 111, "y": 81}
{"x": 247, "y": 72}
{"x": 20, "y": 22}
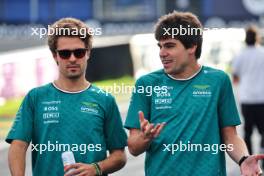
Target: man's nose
{"x": 72, "y": 58}
{"x": 163, "y": 52}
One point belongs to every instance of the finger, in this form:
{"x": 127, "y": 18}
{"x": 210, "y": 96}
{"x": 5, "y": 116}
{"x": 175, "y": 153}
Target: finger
{"x": 259, "y": 157}
{"x": 66, "y": 168}
{"x": 82, "y": 174}
{"x": 75, "y": 172}
{"x": 159, "y": 128}
{"x": 260, "y": 171}
{"x": 153, "y": 131}
{"x": 148, "y": 130}
{"x": 141, "y": 116}
{"x": 142, "y": 120}
{"x": 144, "y": 125}
{"x": 71, "y": 166}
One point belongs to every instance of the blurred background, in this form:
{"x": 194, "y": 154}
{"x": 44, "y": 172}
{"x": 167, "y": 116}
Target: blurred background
{"x": 124, "y": 50}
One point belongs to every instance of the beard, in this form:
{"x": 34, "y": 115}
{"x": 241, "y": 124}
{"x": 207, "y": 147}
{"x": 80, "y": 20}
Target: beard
{"x": 72, "y": 75}
{"x": 176, "y": 70}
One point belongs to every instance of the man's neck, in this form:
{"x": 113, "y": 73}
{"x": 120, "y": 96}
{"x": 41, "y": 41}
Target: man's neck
{"x": 188, "y": 73}
{"x": 72, "y": 85}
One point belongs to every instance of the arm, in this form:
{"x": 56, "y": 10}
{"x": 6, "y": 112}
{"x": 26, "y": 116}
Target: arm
{"x": 16, "y": 157}
{"x": 114, "y": 162}
{"x": 139, "y": 140}
{"x": 235, "y": 79}
{"x": 250, "y": 166}
{"x": 230, "y": 136}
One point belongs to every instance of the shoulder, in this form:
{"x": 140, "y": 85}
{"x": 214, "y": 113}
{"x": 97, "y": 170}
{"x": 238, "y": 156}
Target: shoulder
{"x": 42, "y": 90}
{"x": 35, "y": 93}
{"x": 214, "y": 73}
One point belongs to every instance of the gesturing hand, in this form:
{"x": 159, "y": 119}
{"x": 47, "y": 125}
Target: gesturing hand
{"x": 149, "y": 130}
{"x": 80, "y": 169}
{"x": 250, "y": 166}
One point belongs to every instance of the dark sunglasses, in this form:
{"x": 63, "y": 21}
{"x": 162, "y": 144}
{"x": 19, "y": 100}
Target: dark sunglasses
{"x": 78, "y": 53}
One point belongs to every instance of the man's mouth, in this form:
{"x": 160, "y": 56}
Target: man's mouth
{"x": 73, "y": 66}
{"x": 166, "y": 62}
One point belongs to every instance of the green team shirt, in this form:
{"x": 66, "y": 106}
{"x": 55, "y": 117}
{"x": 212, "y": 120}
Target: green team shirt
{"x": 194, "y": 110}
{"x": 87, "y": 123}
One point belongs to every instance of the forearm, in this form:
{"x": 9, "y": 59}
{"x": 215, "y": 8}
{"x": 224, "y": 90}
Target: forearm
{"x": 16, "y": 159}
{"x": 116, "y": 160}
{"x": 239, "y": 148}
{"x": 137, "y": 144}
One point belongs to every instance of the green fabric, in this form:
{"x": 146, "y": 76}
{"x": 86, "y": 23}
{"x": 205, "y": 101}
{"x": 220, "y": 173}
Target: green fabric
{"x": 194, "y": 110}
{"x": 88, "y": 123}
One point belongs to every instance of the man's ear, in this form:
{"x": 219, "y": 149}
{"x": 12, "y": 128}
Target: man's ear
{"x": 192, "y": 49}
{"x": 55, "y": 58}
{"x": 88, "y": 54}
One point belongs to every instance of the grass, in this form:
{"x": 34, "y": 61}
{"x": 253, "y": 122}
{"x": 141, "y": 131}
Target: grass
{"x": 9, "y": 108}
{"x": 119, "y": 88}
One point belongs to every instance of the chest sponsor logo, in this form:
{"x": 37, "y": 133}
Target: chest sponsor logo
{"x": 202, "y": 90}
{"x": 163, "y": 100}
{"x": 50, "y": 112}
{"x": 88, "y": 107}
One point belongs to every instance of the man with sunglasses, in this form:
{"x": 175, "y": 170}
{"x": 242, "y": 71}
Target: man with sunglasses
{"x": 68, "y": 114}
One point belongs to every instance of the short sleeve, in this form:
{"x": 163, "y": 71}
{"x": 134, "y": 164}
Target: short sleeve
{"x": 115, "y": 134}
{"x": 227, "y": 109}
{"x": 139, "y": 102}
{"x": 23, "y": 123}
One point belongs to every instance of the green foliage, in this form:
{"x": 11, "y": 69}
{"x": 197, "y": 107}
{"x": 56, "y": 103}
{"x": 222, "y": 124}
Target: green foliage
{"x": 10, "y": 107}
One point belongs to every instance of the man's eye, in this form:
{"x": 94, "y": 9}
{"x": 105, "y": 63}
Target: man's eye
{"x": 169, "y": 46}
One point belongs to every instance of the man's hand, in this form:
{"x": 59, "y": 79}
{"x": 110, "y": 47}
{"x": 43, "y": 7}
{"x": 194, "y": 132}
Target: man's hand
{"x": 149, "y": 131}
{"x": 250, "y": 166}
{"x": 80, "y": 169}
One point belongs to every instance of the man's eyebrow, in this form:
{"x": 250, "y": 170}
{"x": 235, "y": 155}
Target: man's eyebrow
{"x": 167, "y": 43}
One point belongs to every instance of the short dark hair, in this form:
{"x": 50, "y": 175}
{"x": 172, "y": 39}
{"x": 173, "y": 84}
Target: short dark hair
{"x": 251, "y": 35}
{"x": 181, "y": 20}
{"x": 69, "y": 27}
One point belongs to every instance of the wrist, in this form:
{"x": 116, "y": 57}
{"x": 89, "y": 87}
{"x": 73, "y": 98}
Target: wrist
{"x": 242, "y": 159}
{"x": 97, "y": 169}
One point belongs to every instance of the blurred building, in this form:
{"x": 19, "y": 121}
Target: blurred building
{"x": 112, "y": 55}
{"x": 224, "y": 12}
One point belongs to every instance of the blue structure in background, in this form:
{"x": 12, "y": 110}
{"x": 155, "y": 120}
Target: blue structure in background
{"x": 15, "y": 11}
{"x": 47, "y": 11}
{"x": 20, "y": 11}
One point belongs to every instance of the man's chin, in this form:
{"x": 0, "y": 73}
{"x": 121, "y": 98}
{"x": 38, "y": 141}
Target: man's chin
{"x": 172, "y": 72}
{"x": 74, "y": 76}
{"x": 168, "y": 71}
